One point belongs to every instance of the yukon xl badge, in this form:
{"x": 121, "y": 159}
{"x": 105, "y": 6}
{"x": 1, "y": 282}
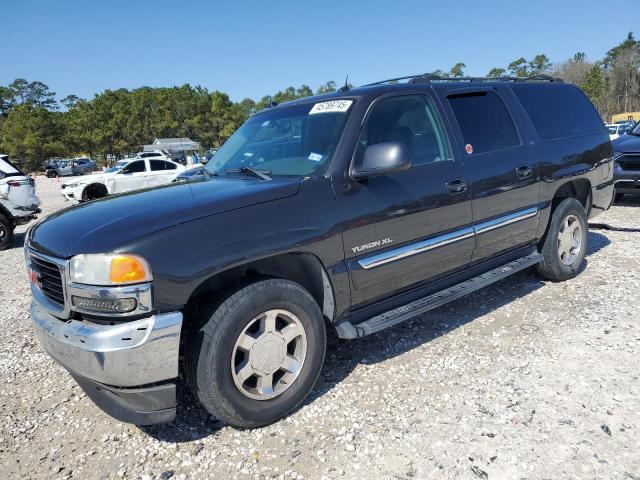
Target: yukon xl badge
{"x": 369, "y": 246}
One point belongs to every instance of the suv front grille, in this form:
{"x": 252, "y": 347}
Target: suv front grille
{"x": 50, "y": 279}
{"x": 630, "y": 162}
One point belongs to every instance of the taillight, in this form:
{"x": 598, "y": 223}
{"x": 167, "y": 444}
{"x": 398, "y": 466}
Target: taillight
{"x": 17, "y": 183}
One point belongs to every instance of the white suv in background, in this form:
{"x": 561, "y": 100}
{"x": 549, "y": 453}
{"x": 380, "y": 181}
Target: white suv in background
{"x": 617, "y": 129}
{"x": 126, "y": 175}
{"x": 18, "y": 201}
{"x": 152, "y": 154}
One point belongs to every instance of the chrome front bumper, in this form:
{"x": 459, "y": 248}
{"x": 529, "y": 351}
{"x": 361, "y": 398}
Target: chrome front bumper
{"x": 126, "y": 354}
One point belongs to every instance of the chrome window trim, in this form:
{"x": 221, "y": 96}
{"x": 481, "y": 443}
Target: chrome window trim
{"x": 422, "y": 246}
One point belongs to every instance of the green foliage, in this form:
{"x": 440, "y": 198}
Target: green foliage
{"x": 629, "y": 45}
{"x": 327, "y": 88}
{"x": 594, "y": 86}
{"x": 497, "y": 72}
{"x": 457, "y": 70}
{"x": 539, "y": 65}
{"x": 35, "y": 93}
{"x": 519, "y": 67}
{"x": 34, "y": 133}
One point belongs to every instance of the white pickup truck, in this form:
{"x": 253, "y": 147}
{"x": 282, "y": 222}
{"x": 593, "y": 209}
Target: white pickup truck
{"x": 126, "y": 175}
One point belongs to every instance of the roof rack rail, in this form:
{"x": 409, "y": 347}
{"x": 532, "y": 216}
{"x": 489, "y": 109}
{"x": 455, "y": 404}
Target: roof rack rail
{"x": 429, "y": 77}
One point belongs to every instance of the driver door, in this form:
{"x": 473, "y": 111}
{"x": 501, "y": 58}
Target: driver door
{"x": 405, "y": 228}
{"x": 131, "y": 177}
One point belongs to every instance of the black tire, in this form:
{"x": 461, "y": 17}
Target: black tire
{"x": 6, "y": 232}
{"x": 87, "y": 171}
{"x": 211, "y": 346}
{"x": 552, "y": 267}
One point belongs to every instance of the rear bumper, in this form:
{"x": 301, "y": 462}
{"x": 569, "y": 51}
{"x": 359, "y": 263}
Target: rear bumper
{"x": 115, "y": 364}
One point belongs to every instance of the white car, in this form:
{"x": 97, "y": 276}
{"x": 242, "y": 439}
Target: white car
{"x": 126, "y": 175}
{"x": 617, "y": 129}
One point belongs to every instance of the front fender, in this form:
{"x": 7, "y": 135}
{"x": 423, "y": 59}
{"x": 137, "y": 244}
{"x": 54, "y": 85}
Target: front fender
{"x": 184, "y": 256}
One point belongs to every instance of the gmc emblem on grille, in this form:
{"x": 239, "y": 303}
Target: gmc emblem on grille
{"x": 34, "y": 277}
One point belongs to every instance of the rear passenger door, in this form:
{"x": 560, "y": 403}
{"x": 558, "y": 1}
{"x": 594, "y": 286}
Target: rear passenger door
{"x": 162, "y": 172}
{"x": 407, "y": 227}
{"x": 503, "y": 175}
{"x": 131, "y": 177}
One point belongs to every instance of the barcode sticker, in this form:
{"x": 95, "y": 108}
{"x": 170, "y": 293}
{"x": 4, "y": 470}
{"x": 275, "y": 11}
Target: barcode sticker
{"x": 330, "y": 107}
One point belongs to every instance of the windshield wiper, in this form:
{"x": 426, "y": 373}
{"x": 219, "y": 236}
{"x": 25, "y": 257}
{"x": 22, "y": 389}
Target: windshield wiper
{"x": 263, "y": 174}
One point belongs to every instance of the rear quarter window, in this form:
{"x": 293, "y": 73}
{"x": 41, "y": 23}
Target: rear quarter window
{"x": 559, "y": 111}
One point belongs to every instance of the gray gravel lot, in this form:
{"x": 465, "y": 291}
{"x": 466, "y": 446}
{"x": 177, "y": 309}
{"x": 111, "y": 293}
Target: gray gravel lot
{"x": 524, "y": 379}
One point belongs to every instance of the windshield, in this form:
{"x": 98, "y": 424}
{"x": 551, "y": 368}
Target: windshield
{"x": 635, "y": 130}
{"x": 293, "y": 141}
{"x": 117, "y": 166}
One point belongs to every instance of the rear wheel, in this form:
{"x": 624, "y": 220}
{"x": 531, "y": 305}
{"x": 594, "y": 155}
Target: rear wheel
{"x": 258, "y": 354}
{"x": 87, "y": 171}
{"x": 6, "y": 232}
{"x": 565, "y": 244}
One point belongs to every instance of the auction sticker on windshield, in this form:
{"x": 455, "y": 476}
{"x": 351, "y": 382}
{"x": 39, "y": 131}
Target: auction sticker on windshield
{"x": 331, "y": 107}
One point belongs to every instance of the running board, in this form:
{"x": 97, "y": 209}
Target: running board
{"x": 406, "y": 312}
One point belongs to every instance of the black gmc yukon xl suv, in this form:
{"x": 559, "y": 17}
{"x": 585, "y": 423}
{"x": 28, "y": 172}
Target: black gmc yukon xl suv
{"x": 354, "y": 210}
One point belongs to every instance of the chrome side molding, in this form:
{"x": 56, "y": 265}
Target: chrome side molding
{"x": 422, "y": 246}
{"x": 415, "y": 248}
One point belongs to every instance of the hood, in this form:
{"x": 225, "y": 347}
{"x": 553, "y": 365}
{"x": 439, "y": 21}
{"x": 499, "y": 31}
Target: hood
{"x": 627, "y": 144}
{"x": 104, "y": 225}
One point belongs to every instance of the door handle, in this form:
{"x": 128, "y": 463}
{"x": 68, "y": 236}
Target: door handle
{"x": 524, "y": 171}
{"x": 457, "y": 185}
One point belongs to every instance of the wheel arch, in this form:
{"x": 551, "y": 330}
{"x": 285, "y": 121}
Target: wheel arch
{"x": 580, "y": 189}
{"x": 303, "y": 268}
{"x": 6, "y": 213}
{"x": 94, "y": 188}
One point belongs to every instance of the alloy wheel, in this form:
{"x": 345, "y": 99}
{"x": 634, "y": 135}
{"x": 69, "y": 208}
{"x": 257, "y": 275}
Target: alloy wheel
{"x": 269, "y": 354}
{"x": 569, "y": 240}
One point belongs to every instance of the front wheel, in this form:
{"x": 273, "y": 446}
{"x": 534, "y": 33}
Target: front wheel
{"x": 6, "y": 232}
{"x": 565, "y": 244}
{"x": 258, "y": 354}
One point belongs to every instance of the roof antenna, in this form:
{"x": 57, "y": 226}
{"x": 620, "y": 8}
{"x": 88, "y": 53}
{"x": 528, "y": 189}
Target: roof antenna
{"x": 346, "y": 87}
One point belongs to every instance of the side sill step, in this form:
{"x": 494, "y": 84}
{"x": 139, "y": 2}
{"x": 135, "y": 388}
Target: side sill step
{"x": 406, "y": 312}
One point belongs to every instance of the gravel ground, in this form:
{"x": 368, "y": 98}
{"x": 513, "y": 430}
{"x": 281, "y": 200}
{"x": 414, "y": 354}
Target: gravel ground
{"x": 524, "y": 379}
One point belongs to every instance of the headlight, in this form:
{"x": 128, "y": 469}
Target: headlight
{"x": 71, "y": 185}
{"x": 109, "y": 269}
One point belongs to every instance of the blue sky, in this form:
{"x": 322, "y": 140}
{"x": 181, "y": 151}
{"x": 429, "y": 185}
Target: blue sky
{"x": 251, "y": 48}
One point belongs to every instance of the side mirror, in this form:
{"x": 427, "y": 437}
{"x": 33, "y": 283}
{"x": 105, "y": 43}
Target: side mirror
{"x": 382, "y": 159}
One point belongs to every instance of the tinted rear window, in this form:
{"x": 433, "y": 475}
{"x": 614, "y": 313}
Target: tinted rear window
{"x": 485, "y": 122}
{"x": 559, "y": 111}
